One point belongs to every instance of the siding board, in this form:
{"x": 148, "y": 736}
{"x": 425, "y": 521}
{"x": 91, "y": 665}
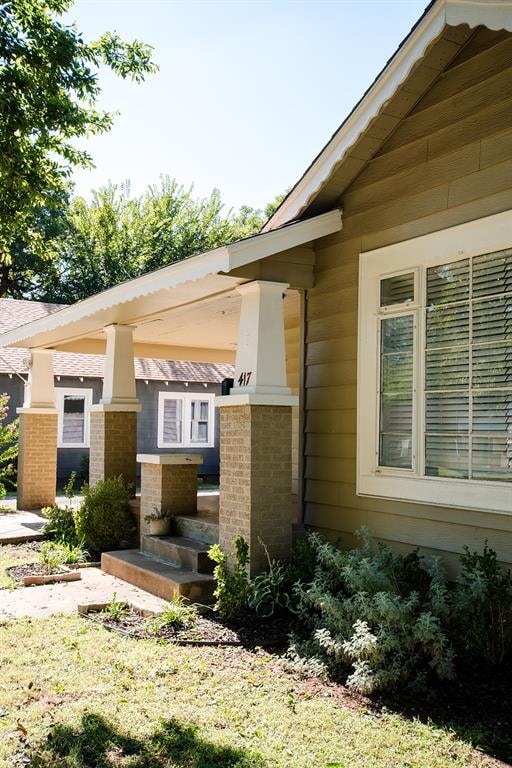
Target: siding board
{"x": 449, "y": 162}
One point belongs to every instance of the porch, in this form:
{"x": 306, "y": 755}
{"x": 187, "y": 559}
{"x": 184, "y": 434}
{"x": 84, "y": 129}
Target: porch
{"x": 239, "y": 304}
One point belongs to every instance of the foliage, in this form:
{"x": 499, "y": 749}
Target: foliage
{"x": 8, "y": 448}
{"x": 48, "y": 89}
{"x": 56, "y": 553}
{"x": 116, "y": 237}
{"x": 103, "y": 518}
{"x": 52, "y": 556}
{"x": 302, "y": 564}
{"x": 60, "y": 521}
{"x": 271, "y": 591}
{"x": 232, "y": 581}
{"x": 158, "y": 514}
{"x": 116, "y": 609}
{"x": 177, "y": 613}
{"x": 377, "y": 616}
{"x": 482, "y": 616}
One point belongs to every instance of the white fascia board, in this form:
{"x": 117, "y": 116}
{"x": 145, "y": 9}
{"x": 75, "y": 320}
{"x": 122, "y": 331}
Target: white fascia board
{"x": 494, "y": 15}
{"x": 219, "y": 261}
{"x": 278, "y": 240}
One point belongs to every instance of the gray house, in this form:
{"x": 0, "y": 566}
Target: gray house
{"x": 177, "y": 398}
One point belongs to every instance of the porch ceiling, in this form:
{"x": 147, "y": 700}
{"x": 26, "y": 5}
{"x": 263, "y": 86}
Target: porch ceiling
{"x": 187, "y": 311}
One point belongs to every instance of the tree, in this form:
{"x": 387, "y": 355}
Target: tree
{"x": 48, "y": 90}
{"x": 8, "y": 448}
{"x": 116, "y": 237}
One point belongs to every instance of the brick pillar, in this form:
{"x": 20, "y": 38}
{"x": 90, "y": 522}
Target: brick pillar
{"x": 255, "y": 480}
{"x": 37, "y": 458}
{"x": 113, "y": 444}
{"x": 168, "y": 483}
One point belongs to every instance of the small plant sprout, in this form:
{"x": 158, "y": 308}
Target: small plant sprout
{"x": 116, "y": 609}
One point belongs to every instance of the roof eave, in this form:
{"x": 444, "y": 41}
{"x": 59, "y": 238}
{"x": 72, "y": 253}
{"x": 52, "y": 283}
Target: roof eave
{"x": 494, "y": 14}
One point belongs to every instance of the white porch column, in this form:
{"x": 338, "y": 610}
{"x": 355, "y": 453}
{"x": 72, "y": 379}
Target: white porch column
{"x": 256, "y": 432}
{"x": 113, "y": 443}
{"x": 37, "y": 458}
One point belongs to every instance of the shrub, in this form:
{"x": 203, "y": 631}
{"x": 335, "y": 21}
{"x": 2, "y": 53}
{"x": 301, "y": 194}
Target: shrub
{"x": 178, "y": 613}
{"x": 482, "y": 615}
{"x": 8, "y": 448}
{"x": 376, "y": 616}
{"x": 103, "y": 518}
{"x": 52, "y": 556}
{"x": 115, "y": 610}
{"x": 232, "y": 588}
{"x": 60, "y": 524}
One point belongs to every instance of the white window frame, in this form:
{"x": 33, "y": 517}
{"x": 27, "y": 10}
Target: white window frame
{"x": 186, "y": 405}
{"x": 60, "y": 393}
{"x": 487, "y": 235}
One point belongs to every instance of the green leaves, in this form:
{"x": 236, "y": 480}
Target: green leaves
{"x": 48, "y": 88}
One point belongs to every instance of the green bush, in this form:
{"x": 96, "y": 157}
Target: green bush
{"x": 9, "y": 435}
{"x": 60, "y": 524}
{"x": 176, "y": 614}
{"x": 55, "y": 553}
{"x": 482, "y": 609}
{"x": 103, "y": 518}
{"x": 232, "y": 588}
{"x": 271, "y": 591}
{"x": 376, "y": 619}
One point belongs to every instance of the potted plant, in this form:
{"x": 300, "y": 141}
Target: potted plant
{"x": 158, "y": 522}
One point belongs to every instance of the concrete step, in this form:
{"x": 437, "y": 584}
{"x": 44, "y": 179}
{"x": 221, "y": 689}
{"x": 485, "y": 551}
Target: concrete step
{"x": 202, "y": 527}
{"x": 160, "y": 579}
{"x": 177, "y": 550}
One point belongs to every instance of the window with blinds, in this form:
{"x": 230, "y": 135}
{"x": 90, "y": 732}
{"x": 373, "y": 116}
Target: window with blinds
{"x": 468, "y": 368}
{"x": 73, "y": 420}
{"x": 172, "y": 420}
{"x": 463, "y": 358}
{"x": 199, "y": 410}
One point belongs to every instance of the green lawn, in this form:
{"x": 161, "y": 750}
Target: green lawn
{"x": 73, "y": 694}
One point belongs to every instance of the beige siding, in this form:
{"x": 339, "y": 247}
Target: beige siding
{"x": 448, "y": 162}
{"x": 293, "y": 365}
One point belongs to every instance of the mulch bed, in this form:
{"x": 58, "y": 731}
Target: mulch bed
{"x": 208, "y": 629}
{"x": 17, "y": 572}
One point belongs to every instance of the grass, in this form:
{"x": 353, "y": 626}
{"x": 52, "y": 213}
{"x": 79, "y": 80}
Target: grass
{"x": 15, "y": 554}
{"x": 76, "y": 696}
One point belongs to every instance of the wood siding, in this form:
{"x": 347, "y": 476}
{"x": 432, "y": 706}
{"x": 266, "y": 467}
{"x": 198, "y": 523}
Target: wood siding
{"x": 449, "y": 161}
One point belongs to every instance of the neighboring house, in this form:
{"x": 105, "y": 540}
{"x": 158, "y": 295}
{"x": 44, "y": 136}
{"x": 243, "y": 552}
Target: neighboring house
{"x": 380, "y": 292}
{"x": 178, "y": 412}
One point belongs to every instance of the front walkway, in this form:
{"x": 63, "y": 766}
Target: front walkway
{"x": 51, "y": 599}
{"x": 20, "y": 527}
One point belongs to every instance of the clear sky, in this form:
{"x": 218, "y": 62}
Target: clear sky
{"x": 247, "y": 93}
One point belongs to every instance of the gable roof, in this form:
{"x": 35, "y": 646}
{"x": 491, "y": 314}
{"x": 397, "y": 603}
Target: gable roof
{"x": 432, "y": 43}
{"x": 16, "y": 312}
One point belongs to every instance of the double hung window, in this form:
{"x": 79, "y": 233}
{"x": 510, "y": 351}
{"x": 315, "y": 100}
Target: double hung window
{"x": 435, "y": 368}
{"x": 185, "y": 419}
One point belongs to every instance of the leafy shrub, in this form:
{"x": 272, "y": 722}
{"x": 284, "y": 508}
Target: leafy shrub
{"x": 103, "y": 518}
{"x": 302, "y": 564}
{"x": 60, "y": 524}
{"x": 9, "y": 434}
{"x": 376, "y": 616}
{"x": 271, "y": 591}
{"x": 232, "y": 588}
{"x": 178, "y": 613}
{"x": 482, "y": 615}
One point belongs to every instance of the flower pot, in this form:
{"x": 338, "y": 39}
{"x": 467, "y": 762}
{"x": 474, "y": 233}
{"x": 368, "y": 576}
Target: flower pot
{"x": 159, "y": 527}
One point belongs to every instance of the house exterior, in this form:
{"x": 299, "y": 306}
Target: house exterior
{"x": 172, "y": 394}
{"x": 370, "y": 322}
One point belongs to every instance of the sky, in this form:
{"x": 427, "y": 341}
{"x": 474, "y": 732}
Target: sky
{"x": 247, "y": 93}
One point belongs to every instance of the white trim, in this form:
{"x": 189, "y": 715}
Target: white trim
{"x": 186, "y": 406}
{"x": 217, "y": 262}
{"x": 256, "y": 399}
{"x": 60, "y": 394}
{"x": 494, "y": 15}
{"x": 169, "y": 458}
{"x": 486, "y": 235}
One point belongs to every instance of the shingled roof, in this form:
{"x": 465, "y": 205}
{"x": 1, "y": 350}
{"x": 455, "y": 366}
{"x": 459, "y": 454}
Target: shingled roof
{"x": 16, "y": 312}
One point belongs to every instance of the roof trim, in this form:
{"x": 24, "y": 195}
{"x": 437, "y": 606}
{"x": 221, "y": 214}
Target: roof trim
{"x": 494, "y": 14}
{"x": 219, "y": 261}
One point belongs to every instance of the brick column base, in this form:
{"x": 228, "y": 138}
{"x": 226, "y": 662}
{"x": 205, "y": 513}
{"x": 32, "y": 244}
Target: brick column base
{"x": 255, "y": 480}
{"x": 37, "y": 459}
{"x": 168, "y": 484}
{"x": 113, "y": 445}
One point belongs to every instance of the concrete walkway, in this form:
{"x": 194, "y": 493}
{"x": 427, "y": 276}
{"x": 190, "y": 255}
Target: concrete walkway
{"x": 19, "y": 527}
{"x": 94, "y": 587}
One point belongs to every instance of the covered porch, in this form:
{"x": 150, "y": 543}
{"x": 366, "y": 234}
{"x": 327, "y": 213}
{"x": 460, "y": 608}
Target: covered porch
{"x": 239, "y": 304}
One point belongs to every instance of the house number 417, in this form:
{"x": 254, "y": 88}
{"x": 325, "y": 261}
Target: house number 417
{"x": 244, "y": 378}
